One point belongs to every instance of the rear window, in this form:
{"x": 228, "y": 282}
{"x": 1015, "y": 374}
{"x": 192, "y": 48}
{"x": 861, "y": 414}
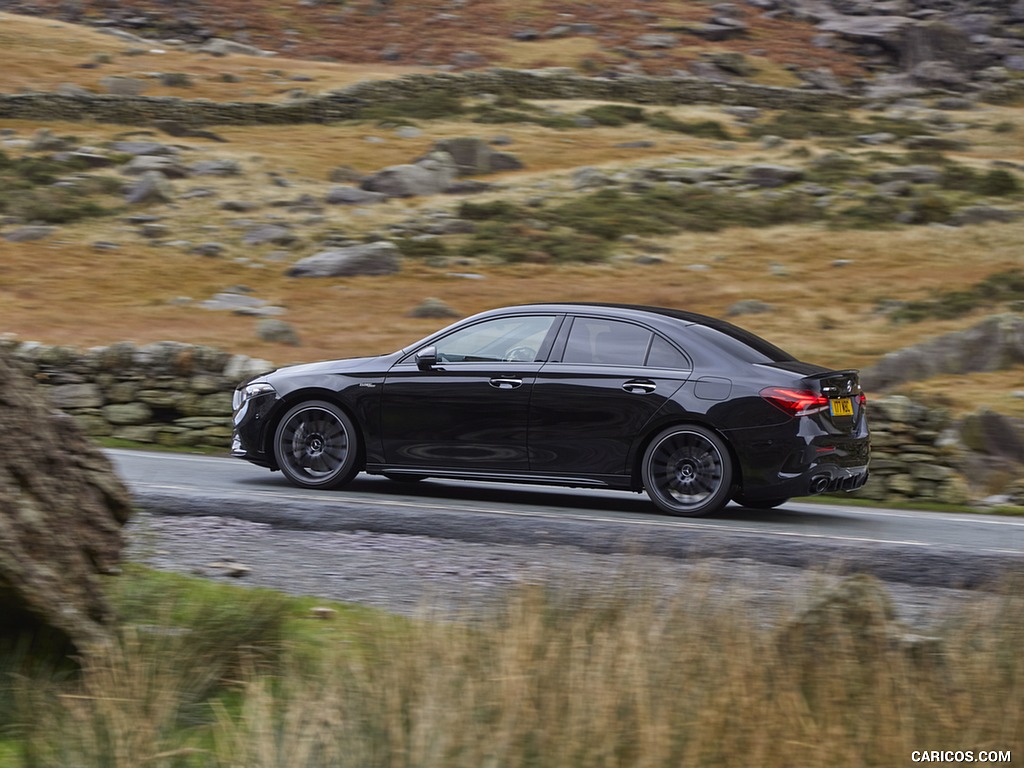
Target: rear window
{"x": 743, "y": 344}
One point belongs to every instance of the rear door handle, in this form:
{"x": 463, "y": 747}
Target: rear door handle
{"x": 639, "y": 386}
{"x": 506, "y": 383}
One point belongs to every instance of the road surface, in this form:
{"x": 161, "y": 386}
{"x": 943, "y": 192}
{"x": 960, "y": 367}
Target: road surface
{"x": 940, "y": 549}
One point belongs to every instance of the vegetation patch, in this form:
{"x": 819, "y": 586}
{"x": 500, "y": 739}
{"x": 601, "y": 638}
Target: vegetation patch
{"x": 436, "y": 104}
{"x": 551, "y": 677}
{"x": 807, "y": 123}
{"x": 34, "y": 188}
{"x": 998, "y": 288}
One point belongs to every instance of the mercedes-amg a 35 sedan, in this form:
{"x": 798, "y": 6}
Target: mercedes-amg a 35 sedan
{"x": 691, "y": 409}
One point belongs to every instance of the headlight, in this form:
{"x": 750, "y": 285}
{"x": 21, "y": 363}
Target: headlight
{"x": 248, "y": 391}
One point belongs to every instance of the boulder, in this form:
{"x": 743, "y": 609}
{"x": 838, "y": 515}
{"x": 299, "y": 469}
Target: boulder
{"x": 993, "y": 345}
{"x": 344, "y": 195}
{"x": 993, "y": 434}
{"x": 767, "y": 175}
{"x": 61, "y": 512}
{"x": 429, "y": 176}
{"x": 381, "y": 258}
{"x": 474, "y": 156}
{"x": 433, "y": 308}
{"x": 153, "y": 187}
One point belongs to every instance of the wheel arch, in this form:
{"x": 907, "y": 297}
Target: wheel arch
{"x": 656, "y": 428}
{"x": 286, "y": 402}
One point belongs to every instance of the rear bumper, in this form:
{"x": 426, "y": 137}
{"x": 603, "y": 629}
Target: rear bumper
{"x": 801, "y": 459}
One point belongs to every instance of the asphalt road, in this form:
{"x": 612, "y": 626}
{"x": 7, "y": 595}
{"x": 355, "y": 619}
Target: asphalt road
{"x": 960, "y": 550}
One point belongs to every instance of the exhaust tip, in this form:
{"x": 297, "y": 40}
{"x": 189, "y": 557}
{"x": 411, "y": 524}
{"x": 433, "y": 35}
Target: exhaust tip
{"x": 820, "y": 484}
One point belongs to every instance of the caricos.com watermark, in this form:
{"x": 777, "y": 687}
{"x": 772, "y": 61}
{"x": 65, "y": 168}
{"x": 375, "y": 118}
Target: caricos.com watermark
{"x": 980, "y": 757}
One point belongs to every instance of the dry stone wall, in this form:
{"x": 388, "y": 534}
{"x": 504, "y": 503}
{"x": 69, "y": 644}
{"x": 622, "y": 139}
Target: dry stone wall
{"x": 175, "y": 394}
{"x": 345, "y": 104}
{"x": 167, "y": 393}
{"x": 916, "y": 454}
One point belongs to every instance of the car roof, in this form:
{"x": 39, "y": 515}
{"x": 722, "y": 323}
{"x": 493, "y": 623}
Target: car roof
{"x": 688, "y": 318}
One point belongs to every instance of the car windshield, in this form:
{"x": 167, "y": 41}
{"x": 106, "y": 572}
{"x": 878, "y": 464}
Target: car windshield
{"x": 509, "y": 339}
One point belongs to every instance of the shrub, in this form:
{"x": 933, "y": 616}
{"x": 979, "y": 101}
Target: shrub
{"x": 422, "y": 248}
{"x": 430, "y": 105}
{"x": 996, "y": 183}
{"x": 705, "y": 129}
{"x": 956, "y": 176}
{"x": 996, "y": 288}
{"x": 804, "y": 123}
{"x": 497, "y": 209}
{"x": 614, "y": 114}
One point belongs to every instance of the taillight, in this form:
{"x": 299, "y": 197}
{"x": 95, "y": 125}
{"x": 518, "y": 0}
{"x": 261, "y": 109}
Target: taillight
{"x": 795, "y": 402}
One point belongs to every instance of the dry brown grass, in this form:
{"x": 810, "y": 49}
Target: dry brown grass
{"x": 618, "y": 675}
{"x": 63, "y": 291}
{"x": 358, "y": 31}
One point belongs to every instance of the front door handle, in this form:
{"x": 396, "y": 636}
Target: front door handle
{"x": 639, "y": 386}
{"x": 506, "y": 383}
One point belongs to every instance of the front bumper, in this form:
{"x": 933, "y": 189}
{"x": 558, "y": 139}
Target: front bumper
{"x": 251, "y": 427}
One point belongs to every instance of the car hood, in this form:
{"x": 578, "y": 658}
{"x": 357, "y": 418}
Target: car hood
{"x": 351, "y": 364}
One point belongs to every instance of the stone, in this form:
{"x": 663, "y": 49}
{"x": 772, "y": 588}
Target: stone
{"x": 993, "y": 434}
{"x": 29, "y": 234}
{"x": 983, "y": 214}
{"x": 344, "y": 195}
{"x": 274, "y": 234}
{"x": 216, "y": 168}
{"x": 380, "y": 258}
{"x": 117, "y": 85}
{"x": 995, "y": 344}
{"x": 749, "y": 307}
{"x": 429, "y": 176}
{"x": 473, "y": 156}
{"x": 86, "y": 395}
{"x": 657, "y": 40}
{"x": 153, "y": 187}
{"x": 767, "y": 175}
{"x": 277, "y": 332}
{"x": 127, "y": 414}
{"x": 433, "y": 308}
{"x": 220, "y": 47}
{"x": 142, "y": 148}
{"x": 62, "y": 508}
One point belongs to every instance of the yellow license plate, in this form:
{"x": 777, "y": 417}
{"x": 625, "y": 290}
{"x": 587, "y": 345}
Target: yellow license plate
{"x": 842, "y": 406}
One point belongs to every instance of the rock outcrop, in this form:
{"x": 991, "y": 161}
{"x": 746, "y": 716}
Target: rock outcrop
{"x": 61, "y": 512}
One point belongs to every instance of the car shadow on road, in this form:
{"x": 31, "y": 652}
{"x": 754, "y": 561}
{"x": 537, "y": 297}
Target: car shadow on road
{"x": 548, "y": 497}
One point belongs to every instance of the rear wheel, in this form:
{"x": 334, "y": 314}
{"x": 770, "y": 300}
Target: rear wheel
{"x": 317, "y": 446}
{"x": 687, "y": 471}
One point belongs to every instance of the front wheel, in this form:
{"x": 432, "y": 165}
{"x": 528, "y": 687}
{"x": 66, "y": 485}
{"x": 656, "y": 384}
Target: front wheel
{"x": 317, "y": 446}
{"x": 687, "y": 471}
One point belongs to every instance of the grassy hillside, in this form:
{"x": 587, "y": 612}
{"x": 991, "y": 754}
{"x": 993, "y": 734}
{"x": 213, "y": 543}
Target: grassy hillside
{"x": 830, "y": 281}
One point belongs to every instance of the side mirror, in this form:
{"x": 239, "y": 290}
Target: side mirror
{"x": 426, "y": 358}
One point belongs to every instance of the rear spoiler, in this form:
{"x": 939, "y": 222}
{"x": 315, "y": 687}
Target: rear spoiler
{"x": 847, "y": 382}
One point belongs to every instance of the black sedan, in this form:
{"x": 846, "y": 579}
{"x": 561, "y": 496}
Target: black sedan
{"x": 689, "y": 408}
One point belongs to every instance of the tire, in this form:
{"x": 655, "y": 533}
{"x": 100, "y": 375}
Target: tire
{"x": 759, "y": 503}
{"x": 317, "y": 446}
{"x": 687, "y": 471}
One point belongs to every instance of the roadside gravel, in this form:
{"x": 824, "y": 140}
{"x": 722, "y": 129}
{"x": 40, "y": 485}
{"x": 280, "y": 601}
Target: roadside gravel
{"x": 407, "y": 574}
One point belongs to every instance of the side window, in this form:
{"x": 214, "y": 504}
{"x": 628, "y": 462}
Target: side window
{"x": 664, "y": 355}
{"x": 606, "y": 342}
{"x": 508, "y": 339}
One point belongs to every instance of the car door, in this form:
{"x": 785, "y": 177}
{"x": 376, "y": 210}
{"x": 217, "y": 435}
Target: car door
{"x": 606, "y": 380}
{"x": 468, "y": 409}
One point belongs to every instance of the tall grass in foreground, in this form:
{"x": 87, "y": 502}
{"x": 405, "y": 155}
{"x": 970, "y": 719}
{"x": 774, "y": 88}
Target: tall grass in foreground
{"x": 556, "y": 678}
